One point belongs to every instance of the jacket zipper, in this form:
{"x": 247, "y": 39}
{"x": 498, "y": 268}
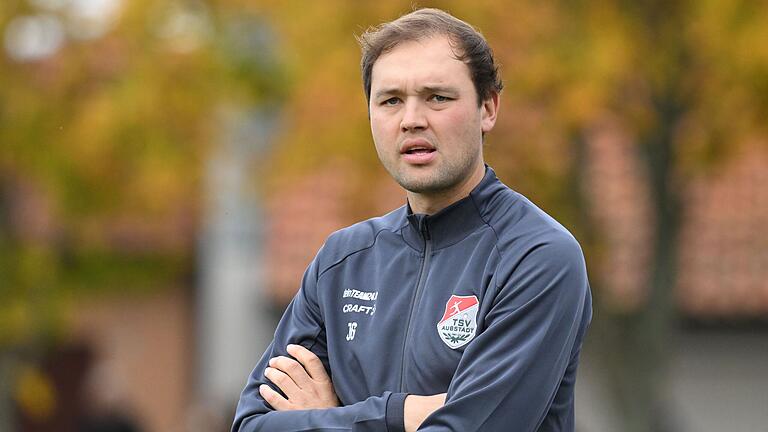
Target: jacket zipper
{"x": 416, "y": 295}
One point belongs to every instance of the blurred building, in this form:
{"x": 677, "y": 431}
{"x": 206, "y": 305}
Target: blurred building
{"x": 723, "y": 271}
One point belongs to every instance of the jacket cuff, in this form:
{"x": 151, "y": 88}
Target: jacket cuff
{"x": 395, "y": 412}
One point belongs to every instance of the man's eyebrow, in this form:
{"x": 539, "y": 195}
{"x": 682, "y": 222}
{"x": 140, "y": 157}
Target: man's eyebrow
{"x": 437, "y": 89}
{"x": 387, "y": 91}
{"x": 427, "y": 89}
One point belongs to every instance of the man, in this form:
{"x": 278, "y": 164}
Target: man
{"x": 463, "y": 310}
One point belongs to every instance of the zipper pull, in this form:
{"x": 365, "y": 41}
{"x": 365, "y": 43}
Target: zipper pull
{"x": 424, "y": 229}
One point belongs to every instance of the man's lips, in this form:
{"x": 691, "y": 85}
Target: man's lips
{"x": 417, "y": 151}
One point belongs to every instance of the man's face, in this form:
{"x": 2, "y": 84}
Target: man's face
{"x": 425, "y": 119}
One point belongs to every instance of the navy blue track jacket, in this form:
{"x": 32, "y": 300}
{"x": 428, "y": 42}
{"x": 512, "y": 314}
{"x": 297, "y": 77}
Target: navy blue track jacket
{"x": 487, "y": 300}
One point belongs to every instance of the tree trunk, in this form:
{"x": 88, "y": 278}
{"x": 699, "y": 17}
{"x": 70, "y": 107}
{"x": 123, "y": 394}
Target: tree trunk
{"x": 641, "y": 338}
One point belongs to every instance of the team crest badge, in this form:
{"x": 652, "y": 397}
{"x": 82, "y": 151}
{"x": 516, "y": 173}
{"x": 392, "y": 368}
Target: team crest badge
{"x": 459, "y": 322}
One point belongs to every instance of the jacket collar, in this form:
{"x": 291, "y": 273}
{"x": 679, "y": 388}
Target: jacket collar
{"x": 455, "y": 222}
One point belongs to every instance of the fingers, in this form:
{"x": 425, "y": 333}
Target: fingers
{"x": 304, "y": 382}
{"x": 293, "y": 370}
{"x": 282, "y": 380}
{"x": 311, "y": 362}
{"x": 274, "y": 398}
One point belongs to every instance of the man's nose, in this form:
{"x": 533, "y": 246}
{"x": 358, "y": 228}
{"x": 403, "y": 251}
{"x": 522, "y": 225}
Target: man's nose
{"x": 414, "y": 117}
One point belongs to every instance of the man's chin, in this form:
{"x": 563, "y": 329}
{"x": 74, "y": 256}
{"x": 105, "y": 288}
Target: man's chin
{"x": 426, "y": 186}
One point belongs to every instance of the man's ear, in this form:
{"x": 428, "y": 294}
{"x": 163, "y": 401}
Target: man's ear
{"x": 488, "y": 111}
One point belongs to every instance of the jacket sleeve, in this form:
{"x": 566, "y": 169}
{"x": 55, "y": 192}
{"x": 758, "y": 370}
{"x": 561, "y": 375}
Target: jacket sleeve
{"x": 509, "y": 374}
{"x": 302, "y": 324}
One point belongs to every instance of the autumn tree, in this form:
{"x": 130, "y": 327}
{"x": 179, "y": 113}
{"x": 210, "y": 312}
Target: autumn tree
{"x": 685, "y": 83}
{"x": 107, "y": 113}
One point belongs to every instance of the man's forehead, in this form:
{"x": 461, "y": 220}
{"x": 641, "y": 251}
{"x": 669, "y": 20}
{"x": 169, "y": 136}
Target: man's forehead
{"x": 435, "y": 47}
{"x": 432, "y": 60}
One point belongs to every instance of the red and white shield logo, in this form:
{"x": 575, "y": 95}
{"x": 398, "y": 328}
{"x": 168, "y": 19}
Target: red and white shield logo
{"x": 459, "y": 322}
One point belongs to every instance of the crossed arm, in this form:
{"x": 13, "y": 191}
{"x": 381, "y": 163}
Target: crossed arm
{"x": 511, "y": 376}
{"x": 306, "y": 385}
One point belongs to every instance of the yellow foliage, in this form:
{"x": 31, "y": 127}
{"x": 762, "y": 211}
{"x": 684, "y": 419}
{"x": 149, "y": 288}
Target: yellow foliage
{"x": 35, "y": 393}
{"x": 15, "y": 322}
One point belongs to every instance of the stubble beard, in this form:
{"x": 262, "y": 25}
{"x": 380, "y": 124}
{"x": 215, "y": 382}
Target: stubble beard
{"x": 441, "y": 179}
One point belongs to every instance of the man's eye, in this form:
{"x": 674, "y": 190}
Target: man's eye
{"x": 391, "y": 101}
{"x": 440, "y": 98}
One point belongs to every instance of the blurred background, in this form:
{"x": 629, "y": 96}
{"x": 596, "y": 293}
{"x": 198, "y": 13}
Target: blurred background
{"x": 169, "y": 167}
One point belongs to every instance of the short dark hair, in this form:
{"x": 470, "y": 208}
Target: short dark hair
{"x": 470, "y": 46}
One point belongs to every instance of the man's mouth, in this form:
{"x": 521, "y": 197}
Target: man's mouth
{"x": 416, "y": 147}
{"x": 419, "y": 150}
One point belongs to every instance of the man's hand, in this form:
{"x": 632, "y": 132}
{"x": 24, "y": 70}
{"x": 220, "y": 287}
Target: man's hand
{"x": 305, "y": 382}
{"x": 418, "y": 408}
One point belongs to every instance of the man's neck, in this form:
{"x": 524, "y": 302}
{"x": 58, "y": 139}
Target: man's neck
{"x": 432, "y": 203}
